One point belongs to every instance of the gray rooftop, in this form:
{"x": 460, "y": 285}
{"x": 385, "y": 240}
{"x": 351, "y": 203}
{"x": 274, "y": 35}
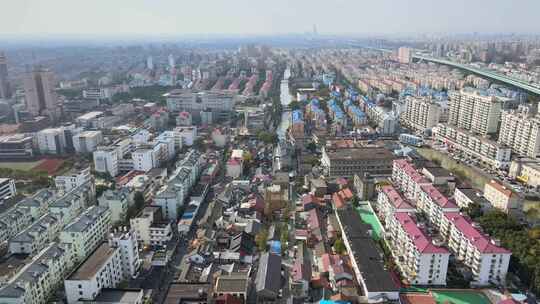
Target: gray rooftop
{"x": 90, "y": 216}
{"x": 93, "y": 263}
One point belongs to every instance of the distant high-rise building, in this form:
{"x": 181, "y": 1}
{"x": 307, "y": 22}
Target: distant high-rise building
{"x": 41, "y": 99}
{"x": 315, "y": 33}
{"x": 4, "y": 83}
{"x": 404, "y": 55}
{"x": 172, "y": 62}
{"x": 150, "y": 63}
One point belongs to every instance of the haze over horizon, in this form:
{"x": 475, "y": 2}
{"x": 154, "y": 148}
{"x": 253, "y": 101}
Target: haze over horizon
{"x": 167, "y": 17}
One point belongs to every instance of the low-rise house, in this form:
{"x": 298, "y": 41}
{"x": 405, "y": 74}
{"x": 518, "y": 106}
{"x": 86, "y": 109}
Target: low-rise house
{"x": 501, "y": 197}
{"x": 467, "y": 196}
{"x": 234, "y": 285}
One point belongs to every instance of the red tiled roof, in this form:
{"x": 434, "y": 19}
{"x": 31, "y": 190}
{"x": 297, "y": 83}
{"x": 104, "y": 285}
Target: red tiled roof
{"x": 482, "y": 242}
{"x": 410, "y": 170}
{"x": 438, "y": 197}
{"x": 417, "y": 298}
{"x": 501, "y": 188}
{"x": 314, "y": 219}
{"x": 422, "y": 242}
{"x": 395, "y": 198}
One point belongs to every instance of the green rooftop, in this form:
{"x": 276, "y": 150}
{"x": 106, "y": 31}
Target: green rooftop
{"x": 368, "y": 216}
{"x": 460, "y": 297}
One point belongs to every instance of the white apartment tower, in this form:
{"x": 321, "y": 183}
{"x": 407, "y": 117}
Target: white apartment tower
{"x": 520, "y": 132}
{"x": 421, "y": 113}
{"x": 473, "y": 111}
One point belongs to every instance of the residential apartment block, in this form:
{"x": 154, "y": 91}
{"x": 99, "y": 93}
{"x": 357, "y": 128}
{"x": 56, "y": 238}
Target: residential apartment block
{"x": 87, "y": 231}
{"x": 487, "y": 260}
{"x": 67, "y": 182}
{"x": 149, "y": 227}
{"x": 421, "y": 259}
{"x": 108, "y": 265}
{"x": 34, "y": 238}
{"x": 421, "y": 113}
{"x": 7, "y": 188}
{"x": 521, "y": 132}
{"x": 36, "y": 282}
{"x": 345, "y": 162}
{"x": 389, "y": 201}
{"x": 488, "y": 151}
{"x": 475, "y": 111}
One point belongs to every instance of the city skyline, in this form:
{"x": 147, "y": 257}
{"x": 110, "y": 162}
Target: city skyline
{"x": 100, "y": 18}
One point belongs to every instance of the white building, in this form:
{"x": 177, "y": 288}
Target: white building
{"x": 150, "y": 63}
{"x": 487, "y": 260}
{"x": 76, "y": 178}
{"x": 474, "y": 111}
{"x": 110, "y": 264}
{"x": 14, "y": 221}
{"x": 187, "y": 135}
{"x": 421, "y": 113}
{"x": 434, "y": 204}
{"x": 149, "y": 227}
{"x": 389, "y": 201}
{"x": 467, "y": 196}
{"x": 501, "y": 197}
{"x": 488, "y": 151}
{"x": 106, "y": 160}
{"x": 407, "y": 179}
{"x": 144, "y": 159}
{"x": 87, "y": 141}
{"x": 196, "y": 101}
{"x": 171, "y": 60}
{"x": 37, "y": 282}
{"x": 142, "y": 137}
{"x": 220, "y": 137}
{"x": 421, "y": 260}
{"x": 36, "y": 237}
{"x": 86, "y": 232}
{"x": 89, "y": 120}
{"x": 97, "y": 93}
{"x": 7, "y": 188}
{"x": 72, "y": 204}
{"x": 51, "y": 141}
{"x": 117, "y": 201}
{"x": 127, "y": 242}
{"x": 521, "y": 132}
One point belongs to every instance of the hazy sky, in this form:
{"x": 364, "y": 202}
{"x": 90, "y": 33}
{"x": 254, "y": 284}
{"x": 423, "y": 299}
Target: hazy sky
{"x": 112, "y": 17}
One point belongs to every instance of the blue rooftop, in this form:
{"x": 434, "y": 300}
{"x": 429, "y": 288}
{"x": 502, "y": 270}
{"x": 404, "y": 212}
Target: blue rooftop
{"x": 297, "y": 116}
